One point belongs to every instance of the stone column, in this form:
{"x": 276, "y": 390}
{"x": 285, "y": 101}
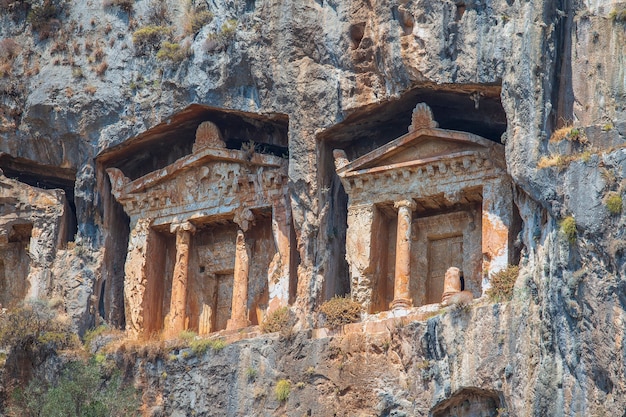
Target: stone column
{"x": 135, "y": 271}
{"x": 401, "y": 288}
{"x": 279, "y": 268}
{"x": 497, "y": 219}
{"x": 178, "y": 303}
{"x": 359, "y": 240}
{"x": 239, "y": 312}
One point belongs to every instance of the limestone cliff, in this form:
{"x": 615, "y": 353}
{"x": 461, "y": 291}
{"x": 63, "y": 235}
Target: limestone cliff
{"x": 79, "y": 78}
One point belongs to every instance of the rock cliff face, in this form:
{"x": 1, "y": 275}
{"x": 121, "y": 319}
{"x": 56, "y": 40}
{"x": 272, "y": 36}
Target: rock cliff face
{"x": 346, "y": 74}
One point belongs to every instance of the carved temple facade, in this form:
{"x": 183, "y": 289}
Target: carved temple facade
{"x": 427, "y": 201}
{"x": 34, "y": 224}
{"x": 210, "y": 239}
{"x": 212, "y": 246}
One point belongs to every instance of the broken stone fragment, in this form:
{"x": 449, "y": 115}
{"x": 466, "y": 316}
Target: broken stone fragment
{"x": 244, "y": 218}
{"x": 341, "y": 160}
{"x": 452, "y": 293}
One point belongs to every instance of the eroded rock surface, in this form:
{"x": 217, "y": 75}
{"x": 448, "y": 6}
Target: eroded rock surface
{"x": 343, "y": 75}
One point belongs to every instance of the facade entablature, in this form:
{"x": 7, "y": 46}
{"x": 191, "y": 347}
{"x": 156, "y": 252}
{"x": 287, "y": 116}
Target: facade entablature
{"x": 211, "y": 182}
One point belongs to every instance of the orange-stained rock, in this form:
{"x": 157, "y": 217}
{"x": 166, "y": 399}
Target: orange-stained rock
{"x": 175, "y": 322}
{"x": 401, "y": 290}
{"x": 239, "y": 312}
{"x": 33, "y": 227}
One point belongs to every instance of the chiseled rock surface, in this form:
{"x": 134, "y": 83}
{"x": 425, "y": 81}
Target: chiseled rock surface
{"x": 394, "y": 369}
{"x": 557, "y": 349}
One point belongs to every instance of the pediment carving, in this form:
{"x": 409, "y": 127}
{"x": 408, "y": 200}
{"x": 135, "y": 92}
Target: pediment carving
{"x": 422, "y": 118}
{"x": 425, "y": 143}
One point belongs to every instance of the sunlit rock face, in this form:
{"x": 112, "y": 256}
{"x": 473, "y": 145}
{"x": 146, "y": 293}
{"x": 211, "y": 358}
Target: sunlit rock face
{"x": 91, "y": 118}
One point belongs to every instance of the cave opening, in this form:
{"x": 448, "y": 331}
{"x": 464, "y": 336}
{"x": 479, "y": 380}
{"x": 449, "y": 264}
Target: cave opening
{"x": 173, "y": 139}
{"x": 469, "y": 402}
{"x": 473, "y": 108}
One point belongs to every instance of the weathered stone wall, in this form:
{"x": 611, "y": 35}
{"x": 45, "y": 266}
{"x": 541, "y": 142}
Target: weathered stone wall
{"x": 557, "y": 350}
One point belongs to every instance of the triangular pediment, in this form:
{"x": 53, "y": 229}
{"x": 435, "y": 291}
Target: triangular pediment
{"x": 426, "y": 149}
{"x": 427, "y": 145}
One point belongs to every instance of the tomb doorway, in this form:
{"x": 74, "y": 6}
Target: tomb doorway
{"x": 443, "y": 253}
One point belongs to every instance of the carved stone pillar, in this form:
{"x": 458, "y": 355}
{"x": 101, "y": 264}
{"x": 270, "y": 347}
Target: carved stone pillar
{"x": 239, "y": 312}
{"x": 497, "y": 219}
{"x": 401, "y": 288}
{"x": 360, "y": 238}
{"x": 136, "y": 279}
{"x": 178, "y": 304}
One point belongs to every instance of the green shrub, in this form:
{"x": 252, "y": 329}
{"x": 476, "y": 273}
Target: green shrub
{"x": 125, "y": 5}
{"x": 282, "y": 390}
{"x": 220, "y": 40}
{"x": 502, "y": 284}
{"x": 614, "y": 203}
{"x": 577, "y": 135}
{"x": 82, "y": 390}
{"x": 34, "y": 325}
{"x": 149, "y": 38}
{"x": 172, "y": 52}
{"x": 341, "y": 310}
{"x": 568, "y": 228}
{"x": 278, "y": 321}
{"x": 44, "y": 18}
{"x": 92, "y": 334}
{"x": 618, "y": 15}
{"x": 200, "y": 346}
{"x": 251, "y": 373}
{"x": 187, "y": 335}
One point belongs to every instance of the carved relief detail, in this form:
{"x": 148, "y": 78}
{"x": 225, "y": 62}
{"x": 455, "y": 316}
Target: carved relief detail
{"x": 422, "y": 118}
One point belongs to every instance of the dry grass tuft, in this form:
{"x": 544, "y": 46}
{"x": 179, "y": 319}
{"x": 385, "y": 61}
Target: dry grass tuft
{"x": 125, "y": 5}
{"x": 502, "y": 284}
{"x": 341, "y": 310}
{"x": 194, "y": 18}
{"x": 278, "y": 321}
{"x": 552, "y": 161}
{"x": 573, "y": 134}
{"x": 560, "y": 134}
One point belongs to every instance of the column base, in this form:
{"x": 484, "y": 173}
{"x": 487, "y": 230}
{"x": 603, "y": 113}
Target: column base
{"x": 399, "y": 303}
{"x": 172, "y": 327}
{"x": 235, "y": 324}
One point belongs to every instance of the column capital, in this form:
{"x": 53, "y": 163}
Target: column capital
{"x": 185, "y": 226}
{"x": 410, "y": 203}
